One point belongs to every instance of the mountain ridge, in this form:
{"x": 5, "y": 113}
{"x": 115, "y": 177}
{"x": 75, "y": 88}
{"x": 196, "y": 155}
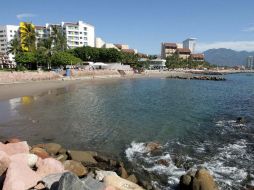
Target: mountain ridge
{"x": 227, "y": 57}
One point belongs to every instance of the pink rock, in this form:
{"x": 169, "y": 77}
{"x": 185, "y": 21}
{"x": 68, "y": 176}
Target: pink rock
{"x": 20, "y": 177}
{"x": 49, "y": 166}
{"x": 4, "y": 162}
{"x": 15, "y": 148}
{"x": 25, "y": 159}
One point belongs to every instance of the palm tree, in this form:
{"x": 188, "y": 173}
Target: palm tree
{"x": 59, "y": 40}
{"x": 46, "y": 48}
{"x": 14, "y": 46}
{"x": 27, "y": 36}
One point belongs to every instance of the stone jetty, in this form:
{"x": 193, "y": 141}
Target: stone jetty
{"x": 194, "y": 77}
{"x": 51, "y": 166}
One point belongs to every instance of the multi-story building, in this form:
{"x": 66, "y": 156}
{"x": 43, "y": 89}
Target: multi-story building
{"x": 190, "y": 44}
{"x": 7, "y": 33}
{"x": 79, "y": 34}
{"x": 250, "y": 62}
{"x": 198, "y": 57}
{"x": 183, "y": 53}
{"x": 168, "y": 49}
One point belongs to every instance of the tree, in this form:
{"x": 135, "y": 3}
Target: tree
{"x": 27, "y": 36}
{"x": 14, "y": 46}
{"x": 45, "y": 52}
{"x": 26, "y": 59}
{"x": 58, "y": 38}
{"x": 63, "y": 59}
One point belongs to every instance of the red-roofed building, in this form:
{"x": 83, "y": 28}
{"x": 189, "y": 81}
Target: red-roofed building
{"x": 198, "y": 57}
{"x": 132, "y": 51}
{"x": 183, "y": 53}
{"x": 168, "y": 49}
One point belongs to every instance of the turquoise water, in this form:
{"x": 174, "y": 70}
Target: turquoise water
{"x": 195, "y": 121}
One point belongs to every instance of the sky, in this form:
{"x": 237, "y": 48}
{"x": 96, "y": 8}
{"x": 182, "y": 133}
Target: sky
{"x": 144, "y": 24}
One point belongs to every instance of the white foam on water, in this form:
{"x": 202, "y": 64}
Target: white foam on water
{"x": 224, "y": 173}
{"x": 223, "y": 166}
{"x": 135, "y": 148}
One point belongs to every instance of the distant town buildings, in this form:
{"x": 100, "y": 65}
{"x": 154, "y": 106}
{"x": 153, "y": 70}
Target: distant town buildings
{"x": 250, "y": 62}
{"x": 78, "y": 34}
{"x": 185, "y": 50}
{"x": 7, "y": 33}
{"x": 168, "y": 49}
{"x": 190, "y": 43}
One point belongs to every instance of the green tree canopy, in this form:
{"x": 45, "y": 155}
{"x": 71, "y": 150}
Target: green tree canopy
{"x": 64, "y": 58}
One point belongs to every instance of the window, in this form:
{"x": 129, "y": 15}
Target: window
{"x": 80, "y": 37}
{"x": 85, "y": 28}
{"x": 85, "y": 33}
{"x": 81, "y": 43}
{"x": 10, "y": 30}
{"x": 85, "y": 38}
{"x": 80, "y": 33}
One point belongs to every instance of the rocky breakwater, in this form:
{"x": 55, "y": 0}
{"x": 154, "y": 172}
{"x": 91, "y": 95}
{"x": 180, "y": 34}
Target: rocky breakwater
{"x": 199, "y": 180}
{"x": 193, "y": 77}
{"x": 50, "y": 166}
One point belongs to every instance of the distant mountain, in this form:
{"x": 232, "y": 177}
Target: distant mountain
{"x": 227, "y": 57}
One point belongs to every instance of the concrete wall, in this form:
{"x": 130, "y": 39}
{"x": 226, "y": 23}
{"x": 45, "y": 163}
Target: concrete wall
{"x": 10, "y": 77}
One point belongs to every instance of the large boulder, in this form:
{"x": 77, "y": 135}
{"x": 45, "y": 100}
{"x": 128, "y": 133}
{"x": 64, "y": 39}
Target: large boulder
{"x": 132, "y": 178}
{"x": 120, "y": 183}
{"x": 100, "y": 174}
{"x": 185, "y": 182}
{"x": 26, "y": 159}
{"x": 20, "y": 177}
{"x": 82, "y": 156}
{"x": 14, "y": 148}
{"x": 4, "y": 162}
{"x": 69, "y": 181}
{"x": 42, "y": 153}
{"x": 92, "y": 184}
{"x": 203, "y": 181}
{"x": 51, "y": 181}
{"x": 49, "y": 166}
{"x": 52, "y": 148}
{"x": 123, "y": 171}
{"x": 75, "y": 167}
{"x": 152, "y": 146}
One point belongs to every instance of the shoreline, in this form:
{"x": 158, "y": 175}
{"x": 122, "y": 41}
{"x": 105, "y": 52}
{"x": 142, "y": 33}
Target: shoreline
{"x": 30, "y": 88}
{"x": 10, "y": 90}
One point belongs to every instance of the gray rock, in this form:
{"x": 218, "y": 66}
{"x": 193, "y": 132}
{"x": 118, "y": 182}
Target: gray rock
{"x": 51, "y": 181}
{"x": 92, "y": 184}
{"x": 69, "y": 181}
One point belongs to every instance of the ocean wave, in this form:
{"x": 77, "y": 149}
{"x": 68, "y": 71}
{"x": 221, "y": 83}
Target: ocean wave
{"x": 229, "y": 165}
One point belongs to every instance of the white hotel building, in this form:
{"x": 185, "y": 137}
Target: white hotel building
{"x": 79, "y": 34}
{"x": 7, "y": 33}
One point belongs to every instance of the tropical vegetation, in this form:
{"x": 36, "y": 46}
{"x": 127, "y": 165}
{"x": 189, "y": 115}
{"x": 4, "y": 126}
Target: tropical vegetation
{"x": 174, "y": 62}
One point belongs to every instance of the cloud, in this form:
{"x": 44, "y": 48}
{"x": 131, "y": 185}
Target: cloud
{"x": 235, "y": 45}
{"x": 248, "y": 29}
{"x": 25, "y": 15}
